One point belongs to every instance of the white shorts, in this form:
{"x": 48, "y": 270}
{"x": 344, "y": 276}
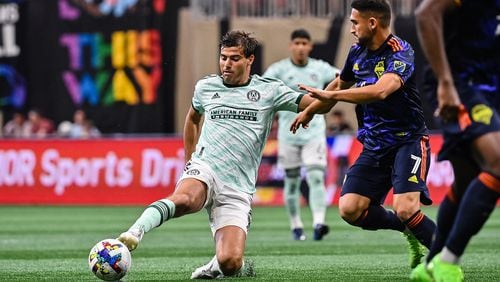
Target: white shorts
{"x": 310, "y": 154}
{"x": 225, "y": 205}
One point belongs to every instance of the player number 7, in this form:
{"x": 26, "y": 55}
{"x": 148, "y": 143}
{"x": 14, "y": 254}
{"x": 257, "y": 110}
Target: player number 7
{"x": 418, "y": 160}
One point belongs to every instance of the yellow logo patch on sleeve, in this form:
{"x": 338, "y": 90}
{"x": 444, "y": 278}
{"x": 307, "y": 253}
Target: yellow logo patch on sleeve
{"x": 482, "y": 114}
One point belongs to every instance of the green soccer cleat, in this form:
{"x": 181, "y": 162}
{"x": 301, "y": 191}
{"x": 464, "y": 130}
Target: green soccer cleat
{"x": 415, "y": 248}
{"x": 445, "y": 272}
{"x": 421, "y": 274}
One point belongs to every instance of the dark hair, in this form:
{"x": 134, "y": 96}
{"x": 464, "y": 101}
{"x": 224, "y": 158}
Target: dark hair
{"x": 238, "y": 38}
{"x": 381, "y": 8}
{"x": 300, "y": 33}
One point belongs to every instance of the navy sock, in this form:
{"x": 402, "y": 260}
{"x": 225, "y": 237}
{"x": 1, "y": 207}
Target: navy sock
{"x": 376, "y": 217}
{"x": 476, "y": 206}
{"x": 445, "y": 218}
{"x": 422, "y": 228}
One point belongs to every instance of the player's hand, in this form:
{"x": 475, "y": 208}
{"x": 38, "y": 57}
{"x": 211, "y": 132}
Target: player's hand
{"x": 302, "y": 119}
{"x": 448, "y": 102}
{"x": 315, "y": 92}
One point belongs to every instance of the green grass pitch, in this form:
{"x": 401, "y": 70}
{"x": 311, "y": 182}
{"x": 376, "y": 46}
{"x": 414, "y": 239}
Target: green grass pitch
{"x": 52, "y": 244}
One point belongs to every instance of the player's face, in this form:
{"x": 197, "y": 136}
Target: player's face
{"x": 300, "y": 49}
{"x": 234, "y": 66}
{"x": 361, "y": 27}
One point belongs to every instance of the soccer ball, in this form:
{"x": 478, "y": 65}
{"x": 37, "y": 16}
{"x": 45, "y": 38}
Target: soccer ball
{"x": 110, "y": 260}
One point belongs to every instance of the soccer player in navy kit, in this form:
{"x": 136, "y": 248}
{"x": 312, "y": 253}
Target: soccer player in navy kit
{"x": 460, "y": 41}
{"x": 392, "y": 129}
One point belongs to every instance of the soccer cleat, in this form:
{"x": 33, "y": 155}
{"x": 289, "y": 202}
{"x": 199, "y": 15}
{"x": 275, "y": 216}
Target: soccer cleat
{"x": 421, "y": 273}
{"x": 445, "y": 272}
{"x": 415, "y": 248}
{"x": 320, "y": 230}
{"x": 207, "y": 271}
{"x": 131, "y": 238}
{"x": 298, "y": 234}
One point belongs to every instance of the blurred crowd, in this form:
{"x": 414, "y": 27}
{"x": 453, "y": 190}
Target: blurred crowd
{"x": 35, "y": 125}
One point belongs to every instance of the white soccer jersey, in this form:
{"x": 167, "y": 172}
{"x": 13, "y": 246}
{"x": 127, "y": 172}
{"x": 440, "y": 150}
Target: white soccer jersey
{"x": 237, "y": 123}
{"x": 316, "y": 73}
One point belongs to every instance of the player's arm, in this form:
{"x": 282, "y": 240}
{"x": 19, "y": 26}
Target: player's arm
{"x": 429, "y": 17}
{"x": 324, "y": 106}
{"x": 192, "y": 130}
{"x": 430, "y": 32}
{"x": 315, "y": 106}
{"x": 385, "y": 86}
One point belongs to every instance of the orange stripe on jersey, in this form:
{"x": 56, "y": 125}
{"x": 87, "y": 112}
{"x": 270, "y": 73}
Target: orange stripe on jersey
{"x": 423, "y": 163}
{"x": 394, "y": 43}
{"x": 490, "y": 181}
{"x": 398, "y": 44}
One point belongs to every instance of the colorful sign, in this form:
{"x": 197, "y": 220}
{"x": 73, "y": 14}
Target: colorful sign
{"x": 142, "y": 170}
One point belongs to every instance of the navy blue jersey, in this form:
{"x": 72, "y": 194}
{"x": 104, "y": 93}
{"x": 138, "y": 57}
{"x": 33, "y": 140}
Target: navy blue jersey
{"x": 472, "y": 41}
{"x": 399, "y": 118}
{"x": 473, "y": 48}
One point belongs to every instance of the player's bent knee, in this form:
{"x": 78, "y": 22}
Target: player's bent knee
{"x": 349, "y": 213}
{"x": 185, "y": 204}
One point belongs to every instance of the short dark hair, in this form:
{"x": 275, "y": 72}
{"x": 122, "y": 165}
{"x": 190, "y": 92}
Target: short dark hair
{"x": 381, "y": 8}
{"x": 239, "y": 38}
{"x": 300, "y": 33}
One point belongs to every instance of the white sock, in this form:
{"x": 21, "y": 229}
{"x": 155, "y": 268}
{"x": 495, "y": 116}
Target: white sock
{"x": 448, "y": 256}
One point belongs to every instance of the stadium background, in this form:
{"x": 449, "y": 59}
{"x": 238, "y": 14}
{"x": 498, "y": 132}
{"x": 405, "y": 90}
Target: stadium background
{"x": 132, "y": 65}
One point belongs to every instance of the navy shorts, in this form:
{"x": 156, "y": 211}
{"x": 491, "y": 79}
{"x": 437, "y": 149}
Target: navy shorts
{"x": 482, "y": 102}
{"x": 403, "y": 168}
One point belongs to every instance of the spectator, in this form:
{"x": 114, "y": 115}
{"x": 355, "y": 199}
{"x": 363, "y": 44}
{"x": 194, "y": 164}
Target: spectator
{"x": 81, "y": 127}
{"x": 17, "y": 126}
{"x": 337, "y": 124}
{"x": 38, "y": 125}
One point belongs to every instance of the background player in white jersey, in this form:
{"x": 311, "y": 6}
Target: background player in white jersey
{"x": 309, "y": 147}
{"x": 224, "y": 154}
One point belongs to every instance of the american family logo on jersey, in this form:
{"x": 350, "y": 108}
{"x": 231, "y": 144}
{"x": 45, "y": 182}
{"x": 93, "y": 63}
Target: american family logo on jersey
{"x": 233, "y": 113}
{"x": 253, "y": 95}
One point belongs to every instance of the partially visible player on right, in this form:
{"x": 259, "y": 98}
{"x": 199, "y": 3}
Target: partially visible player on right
{"x": 460, "y": 40}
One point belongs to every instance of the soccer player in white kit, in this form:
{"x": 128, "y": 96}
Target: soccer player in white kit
{"x": 223, "y": 155}
{"x": 308, "y": 148}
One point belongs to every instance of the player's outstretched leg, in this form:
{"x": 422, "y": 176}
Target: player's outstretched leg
{"x": 444, "y": 271}
{"x": 416, "y": 250}
{"x": 153, "y": 216}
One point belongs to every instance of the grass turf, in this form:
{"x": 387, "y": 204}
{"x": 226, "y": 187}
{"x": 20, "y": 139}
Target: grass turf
{"x": 52, "y": 244}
